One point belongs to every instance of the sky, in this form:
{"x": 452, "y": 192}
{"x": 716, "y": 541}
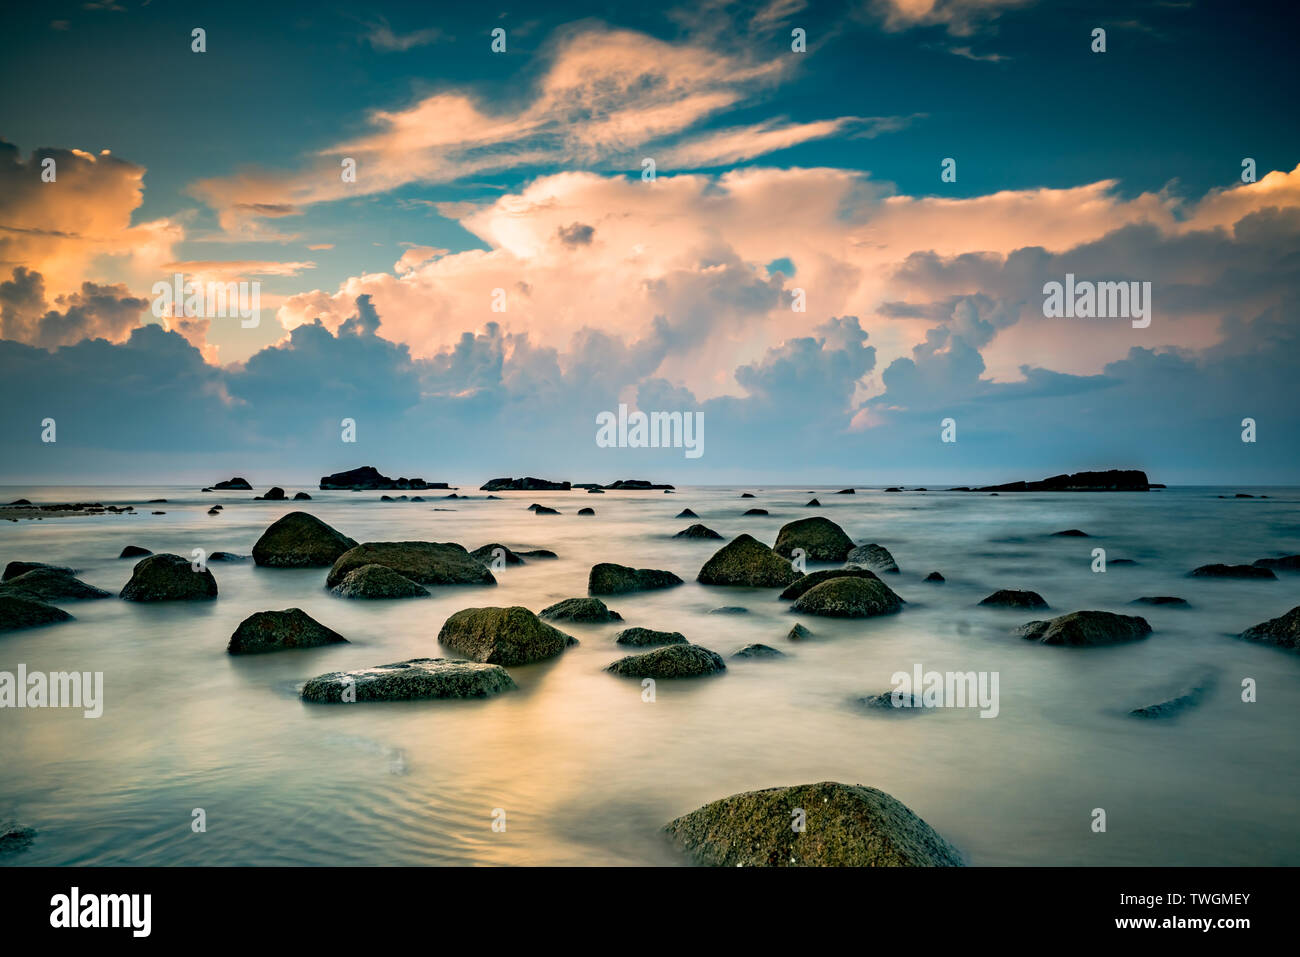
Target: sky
{"x": 822, "y": 230}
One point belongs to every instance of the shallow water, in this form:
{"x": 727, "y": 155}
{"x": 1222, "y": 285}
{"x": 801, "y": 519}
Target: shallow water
{"x": 586, "y": 772}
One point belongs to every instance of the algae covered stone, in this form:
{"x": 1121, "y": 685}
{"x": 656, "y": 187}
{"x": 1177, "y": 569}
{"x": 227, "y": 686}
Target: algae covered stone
{"x": 416, "y": 679}
{"x": 502, "y": 636}
{"x": 300, "y": 540}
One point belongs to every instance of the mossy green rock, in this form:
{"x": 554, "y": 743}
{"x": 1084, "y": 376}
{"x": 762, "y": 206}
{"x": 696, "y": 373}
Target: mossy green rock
{"x": 427, "y": 563}
{"x": 1011, "y": 598}
{"x": 1283, "y": 631}
{"x": 610, "y": 579}
{"x": 266, "y": 631}
{"x": 502, "y": 636}
{"x": 811, "y": 581}
{"x": 673, "y": 661}
{"x": 746, "y": 561}
{"x": 168, "y": 578}
{"x": 377, "y": 582}
{"x": 1083, "y": 629}
{"x": 644, "y": 637}
{"x": 849, "y": 598}
{"x": 589, "y": 611}
{"x": 820, "y": 538}
{"x": 845, "y": 825}
{"x": 17, "y": 612}
{"x": 416, "y": 679}
{"x": 51, "y": 584}
{"x": 300, "y": 540}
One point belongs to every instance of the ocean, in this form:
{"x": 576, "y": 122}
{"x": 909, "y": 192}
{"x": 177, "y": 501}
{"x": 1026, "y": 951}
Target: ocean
{"x": 581, "y": 769}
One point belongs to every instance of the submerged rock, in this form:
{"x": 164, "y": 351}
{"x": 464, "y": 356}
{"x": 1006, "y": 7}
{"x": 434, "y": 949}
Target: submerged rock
{"x": 1071, "y": 533}
{"x": 301, "y": 497}
{"x": 798, "y": 633}
{"x": 50, "y": 585}
{"x": 168, "y": 578}
{"x": 377, "y": 581}
{"x": 757, "y": 511}
{"x": 812, "y": 503}
{"x": 849, "y": 598}
{"x": 426, "y": 563}
{"x": 729, "y": 610}
{"x": 1187, "y": 697}
{"x": 757, "y": 650}
{"x": 671, "y": 661}
{"x": 273, "y": 494}
{"x": 1283, "y": 631}
{"x": 502, "y": 636}
{"x": 697, "y": 531}
{"x": 266, "y": 631}
{"x": 846, "y": 825}
{"x": 14, "y": 569}
{"x": 418, "y": 678}
{"x": 134, "y": 551}
{"x": 1160, "y": 600}
{"x": 487, "y": 553}
{"x": 538, "y": 553}
{"x": 1289, "y": 563}
{"x": 846, "y": 491}
{"x": 585, "y": 610}
{"x": 610, "y": 579}
{"x": 586, "y": 511}
{"x": 17, "y": 612}
{"x": 1010, "y": 598}
{"x": 15, "y": 837}
{"x": 820, "y": 538}
{"x": 686, "y": 513}
{"x": 873, "y": 556}
{"x": 227, "y": 557}
{"x": 814, "y": 579}
{"x": 300, "y": 540}
{"x": 545, "y": 510}
{"x": 1086, "y": 629}
{"x": 746, "y": 494}
{"x": 747, "y": 562}
{"x": 1233, "y": 571}
{"x": 895, "y": 702}
{"x": 643, "y": 637}
{"x": 934, "y": 577}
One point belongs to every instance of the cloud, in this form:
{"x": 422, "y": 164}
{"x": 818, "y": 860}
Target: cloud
{"x": 381, "y": 36}
{"x": 959, "y": 18}
{"x": 93, "y": 312}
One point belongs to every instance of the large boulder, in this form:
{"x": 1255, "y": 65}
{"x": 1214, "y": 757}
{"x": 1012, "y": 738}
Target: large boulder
{"x": 1283, "y": 631}
{"x": 377, "y": 581}
{"x": 645, "y": 637}
{"x": 697, "y": 531}
{"x": 874, "y": 557}
{"x": 1289, "y": 563}
{"x": 1011, "y": 598}
{"x": 610, "y": 579}
{"x": 502, "y": 636}
{"x": 748, "y": 562}
{"x": 50, "y": 584}
{"x": 266, "y": 631}
{"x": 1233, "y": 571}
{"x": 849, "y": 598}
{"x": 812, "y": 580}
{"x": 418, "y": 678}
{"x": 169, "y": 578}
{"x": 14, "y": 569}
{"x": 671, "y": 661}
{"x": 300, "y": 540}
{"x": 845, "y": 825}
{"x": 820, "y": 538}
{"x": 428, "y": 563}
{"x": 273, "y": 494}
{"x": 487, "y": 554}
{"x": 134, "y": 551}
{"x": 235, "y": 483}
{"x": 17, "y": 612}
{"x": 1084, "y": 629}
{"x": 591, "y": 611}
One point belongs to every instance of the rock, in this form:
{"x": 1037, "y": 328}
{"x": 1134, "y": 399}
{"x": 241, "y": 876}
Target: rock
{"x": 427, "y": 563}
{"x": 1289, "y": 563}
{"x": 934, "y": 577}
{"x": 214, "y": 511}
{"x": 747, "y": 562}
{"x": 894, "y": 702}
{"x": 227, "y": 557}
{"x": 20, "y": 501}
{"x": 610, "y": 579}
{"x": 586, "y": 511}
{"x": 643, "y": 637}
{"x": 421, "y": 498}
{"x": 157, "y": 513}
{"x": 820, "y": 538}
{"x": 814, "y": 579}
{"x": 798, "y": 633}
{"x": 893, "y": 488}
{"x": 301, "y": 497}
{"x": 686, "y": 513}
{"x": 758, "y": 651}
{"x": 1086, "y": 629}
{"x": 50, "y": 585}
{"x": 1283, "y": 631}
{"x": 166, "y": 577}
{"x": 14, "y": 569}
{"x": 640, "y": 484}
{"x": 502, "y": 636}
{"x": 1233, "y": 571}
{"x": 813, "y": 504}
{"x": 235, "y": 483}
{"x": 1187, "y": 697}
{"x": 849, "y": 598}
{"x": 1122, "y": 561}
{"x": 875, "y": 557}
{"x": 697, "y": 531}
{"x": 1112, "y": 480}
{"x": 846, "y": 825}
{"x": 671, "y": 661}
{"x": 756, "y": 511}
{"x": 846, "y": 491}
{"x": 528, "y": 484}
{"x": 1010, "y": 598}
{"x": 368, "y": 478}
{"x": 1160, "y": 600}
{"x": 300, "y": 540}
{"x": 585, "y": 610}
{"x": 487, "y": 553}
{"x": 729, "y": 610}
{"x": 17, "y": 612}
{"x": 266, "y": 631}
{"x": 377, "y": 581}
{"x": 1070, "y": 533}
{"x": 545, "y": 510}
{"x": 746, "y": 494}
{"x": 273, "y": 494}
{"x": 418, "y": 678}
{"x": 15, "y": 837}
{"x": 134, "y": 551}
{"x": 538, "y": 553}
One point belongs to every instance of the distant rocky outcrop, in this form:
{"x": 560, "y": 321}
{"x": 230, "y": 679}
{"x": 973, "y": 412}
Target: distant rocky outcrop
{"x": 240, "y": 484}
{"x": 169, "y": 578}
{"x": 267, "y": 631}
{"x": 584, "y": 610}
{"x": 608, "y": 578}
{"x": 1283, "y": 631}
{"x": 273, "y": 494}
{"x": 748, "y": 562}
{"x": 418, "y": 678}
{"x": 636, "y": 484}
{"x": 502, "y": 636}
{"x": 426, "y": 563}
{"x": 845, "y": 825}
{"x": 820, "y": 538}
{"x": 1084, "y": 629}
{"x": 1111, "y": 480}
{"x": 368, "y": 477}
{"x": 671, "y": 661}
{"x": 377, "y": 582}
{"x": 300, "y": 540}
{"x": 528, "y": 484}
{"x": 849, "y": 598}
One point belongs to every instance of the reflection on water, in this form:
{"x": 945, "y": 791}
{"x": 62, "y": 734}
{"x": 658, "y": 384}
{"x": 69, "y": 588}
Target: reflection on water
{"x": 585, "y": 771}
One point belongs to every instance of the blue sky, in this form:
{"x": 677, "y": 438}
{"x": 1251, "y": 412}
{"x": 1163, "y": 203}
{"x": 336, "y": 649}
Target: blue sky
{"x": 777, "y": 171}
